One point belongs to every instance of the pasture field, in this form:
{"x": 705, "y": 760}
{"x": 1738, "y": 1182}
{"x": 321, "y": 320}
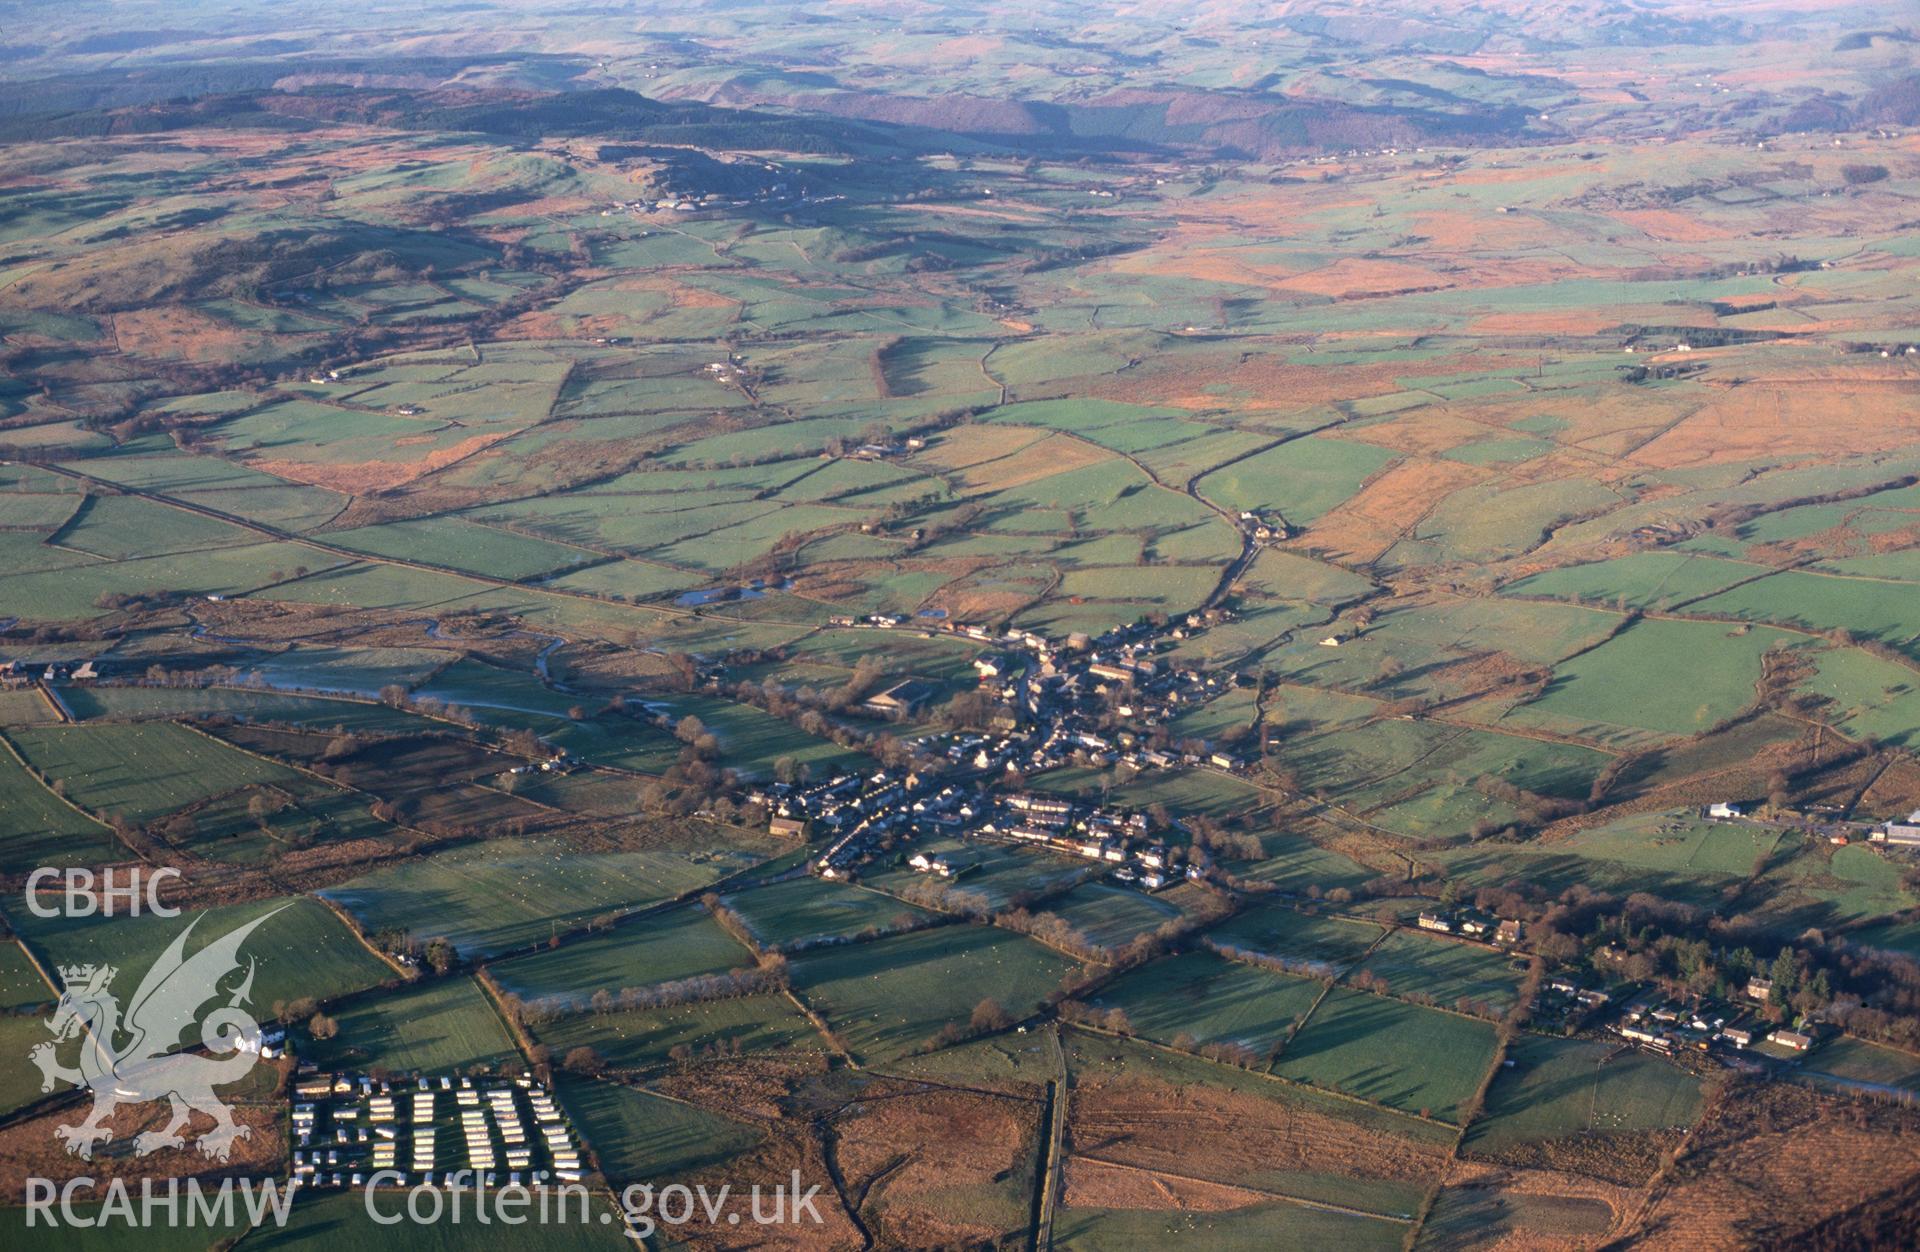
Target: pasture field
{"x": 1813, "y": 884}
{"x": 171, "y": 703}
{"x": 110, "y": 1236}
{"x": 1865, "y": 1065}
{"x": 1295, "y": 863}
{"x": 1301, "y": 479}
{"x": 1409, "y": 1058}
{"x": 1678, "y": 843}
{"x": 1878, "y": 609}
{"x": 1624, "y": 692}
{"x": 1110, "y": 915}
{"x": 1269, "y": 1225}
{"x": 465, "y": 546}
{"x": 993, "y": 874}
{"x": 752, "y": 741}
{"x": 349, "y": 671}
{"x": 796, "y": 910}
{"x": 25, "y": 1003}
{"x": 441, "y": 1026}
{"x": 38, "y": 828}
{"x": 139, "y": 772}
{"x": 643, "y": 1039}
{"x": 1644, "y": 580}
{"x": 1868, "y": 696}
{"x": 492, "y": 898}
{"x": 302, "y": 950}
{"x": 1452, "y": 973}
{"x": 888, "y": 997}
{"x": 1561, "y": 1089}
{"x": 1331, "y": 943}
{"x": 1197, "y": 997}
{"x": 640, "y": 1137}
{"x": 664, "y": 947}
{"x": 1187, "y": 790}
{"x": 342, "y": 1219}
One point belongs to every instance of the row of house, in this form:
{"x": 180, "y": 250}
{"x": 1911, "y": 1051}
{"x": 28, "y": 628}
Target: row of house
{"x": 22, "y": 673}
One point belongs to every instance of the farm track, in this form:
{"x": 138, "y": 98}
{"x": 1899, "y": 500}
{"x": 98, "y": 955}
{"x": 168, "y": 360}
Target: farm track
{"x": 1050, "y": 1175}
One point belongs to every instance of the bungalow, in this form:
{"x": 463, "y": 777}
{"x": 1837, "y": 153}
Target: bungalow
{"x": 1723, "y": 809}
{"x": 1738, "y": 1036}
{"x": 1793, "y": 1040}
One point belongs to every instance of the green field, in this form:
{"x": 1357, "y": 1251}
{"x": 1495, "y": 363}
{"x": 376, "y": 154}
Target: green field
{"x": 663, "y": 947}
{"x": 638, "y": 1136}
{"x": 342, "y": 1220}
{"x": 489, "y": 899}
{"x": 1559, "y": 1089}
{"x": 647, "y": 1038}
{"x": 1410, "y": 1058}
{"x": 1277, "y": 1225}
{"x": 37, "y": 828}
{"x": 1276, "y": 930}
{"x": 303, "y": 951}
{"x": 1863, "y": 1065}
{"x": 138, "y": 772}
{"x": 888, "y": 997}
{"x": 803, "y": 908}
{"x": 1448, "y": 971}
{"x": 1300, "y": 480}
{"x": 1625, "y": 690}
{"x": 1209, "y": 999}
{"x": 1110, "y": 915}
{"x": 439, "y": 1027}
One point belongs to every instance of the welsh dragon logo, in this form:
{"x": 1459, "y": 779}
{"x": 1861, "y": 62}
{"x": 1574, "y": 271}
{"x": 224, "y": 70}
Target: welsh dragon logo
{"x": 145, "y": 1068}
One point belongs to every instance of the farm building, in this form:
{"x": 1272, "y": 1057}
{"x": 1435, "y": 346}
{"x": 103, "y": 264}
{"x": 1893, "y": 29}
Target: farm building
{"x": 1899, "y": 834}
{"x": 900, "y": 700}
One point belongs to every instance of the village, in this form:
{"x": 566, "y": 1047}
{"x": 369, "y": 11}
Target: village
{"x": 1101, "y": 702}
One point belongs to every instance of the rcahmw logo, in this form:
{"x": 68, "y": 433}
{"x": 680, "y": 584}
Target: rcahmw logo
{"x": 166, "y": 1202}
{"x": 147, "y": 1068}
